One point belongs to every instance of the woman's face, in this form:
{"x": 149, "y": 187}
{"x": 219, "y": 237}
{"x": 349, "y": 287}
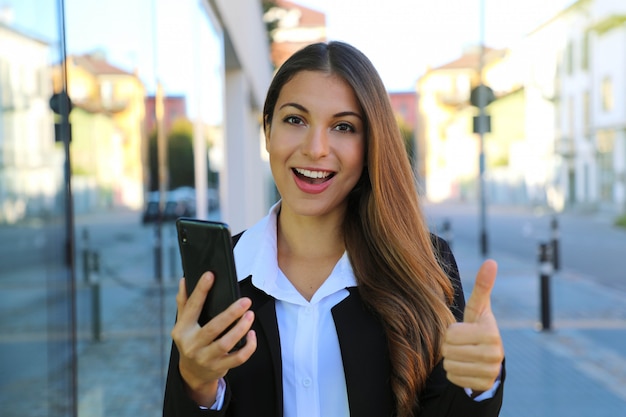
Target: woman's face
{"x": 316, "y": 143}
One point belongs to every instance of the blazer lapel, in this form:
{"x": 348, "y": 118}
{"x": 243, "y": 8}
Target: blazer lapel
{"x": 365, "y": 358}
{"x": 268, "y": 342}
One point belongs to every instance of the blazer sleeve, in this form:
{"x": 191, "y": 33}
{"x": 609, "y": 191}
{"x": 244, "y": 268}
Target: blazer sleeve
{"x": 441, "y": 398}
{"x": 176, "y": 402}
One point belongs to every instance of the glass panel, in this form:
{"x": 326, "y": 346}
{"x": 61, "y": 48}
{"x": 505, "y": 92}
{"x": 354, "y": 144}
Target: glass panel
{"x": 88, "y": 334}
{"x": 37, "y": 372}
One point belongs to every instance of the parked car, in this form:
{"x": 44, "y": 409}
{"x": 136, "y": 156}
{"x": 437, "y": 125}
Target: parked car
{"x": 175, "y": 207}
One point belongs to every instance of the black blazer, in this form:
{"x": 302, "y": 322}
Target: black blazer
{"x": 255, "y": 387}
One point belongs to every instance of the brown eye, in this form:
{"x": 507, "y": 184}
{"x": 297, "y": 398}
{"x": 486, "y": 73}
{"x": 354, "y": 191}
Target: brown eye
{"x": 293, "y": 120}
{"x": 345, "y": 127}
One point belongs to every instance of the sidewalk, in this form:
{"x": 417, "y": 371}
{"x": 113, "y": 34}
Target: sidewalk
{"x": 576, "y": 369}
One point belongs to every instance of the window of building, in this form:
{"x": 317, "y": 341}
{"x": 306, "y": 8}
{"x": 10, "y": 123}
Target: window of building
{"x": 571, "y": 117}
{"x": 584, "y": 55}
{"x": 608, "y": 99}
{"x": 569, "y": 57}
{"x": 586, "y": 114}
{"x": 605, "y": 146}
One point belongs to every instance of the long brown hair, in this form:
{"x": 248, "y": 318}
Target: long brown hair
{"x": 386, "y": 236}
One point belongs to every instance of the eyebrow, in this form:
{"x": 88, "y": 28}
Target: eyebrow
{"x": 304, "y": 109}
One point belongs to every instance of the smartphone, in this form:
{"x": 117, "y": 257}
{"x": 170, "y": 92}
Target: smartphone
{"x": 207, "y": 246}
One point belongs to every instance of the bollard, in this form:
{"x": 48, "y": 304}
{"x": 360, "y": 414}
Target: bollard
{"x": 447, "y": 232}
{"x": 158, "y": 252}
{"x": 545, "y": 270}
{"x": 554, "y": 226}
{"x": 96, "y": 319}
{"x": 86, "y": 265}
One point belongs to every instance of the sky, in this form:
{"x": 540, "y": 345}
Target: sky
{"x": 405, "y": 37}
{"x": 402, "y": 37}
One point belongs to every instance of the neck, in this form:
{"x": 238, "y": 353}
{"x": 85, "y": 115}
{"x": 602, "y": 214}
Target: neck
{"x": 310, "y": 237}
{"x": 308, "y": 249}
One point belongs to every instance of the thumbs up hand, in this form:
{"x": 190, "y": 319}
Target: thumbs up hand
{"x": 473, "y": 350}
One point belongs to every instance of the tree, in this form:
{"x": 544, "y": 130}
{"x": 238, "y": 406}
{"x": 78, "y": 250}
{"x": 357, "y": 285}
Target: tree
{"x": 408, "y": 137}
{"x": 153, "y": 162}
{"x": 180, "y": 161}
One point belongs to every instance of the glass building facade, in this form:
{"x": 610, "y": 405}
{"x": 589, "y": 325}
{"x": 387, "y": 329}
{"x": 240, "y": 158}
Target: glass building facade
{"x": 87, "y": 280}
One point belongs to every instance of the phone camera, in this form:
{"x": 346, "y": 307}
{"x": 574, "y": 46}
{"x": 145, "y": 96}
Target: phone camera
{"x": 183, "y": 236}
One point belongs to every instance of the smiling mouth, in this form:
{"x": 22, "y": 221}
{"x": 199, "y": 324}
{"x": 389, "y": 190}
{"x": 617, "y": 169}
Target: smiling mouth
{"x": 313, "y": 177}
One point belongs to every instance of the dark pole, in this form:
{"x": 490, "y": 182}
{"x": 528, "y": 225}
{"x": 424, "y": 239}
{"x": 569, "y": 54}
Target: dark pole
{"x": 64, "y": 111}
{"x": 482, "y": 128}
{"x": 162, "y": 181}
{"x": 545, "y": 270}
{"x": 554, "y": 226}
{"x": 96, "y": 314}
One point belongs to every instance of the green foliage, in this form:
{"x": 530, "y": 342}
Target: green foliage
{"x": 500, "y": 161}
{"x": 270, "y": 23}
{"x": 408, "y": 137}
{"x": 180, "y": 154}
{"x": 180, "y": 160}
{"x": 621, "y": 221}
{"x": 153, "y": 161}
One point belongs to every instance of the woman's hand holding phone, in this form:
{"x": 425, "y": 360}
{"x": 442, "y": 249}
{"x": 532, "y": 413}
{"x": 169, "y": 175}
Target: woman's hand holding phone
{"x": 205, "y": 356}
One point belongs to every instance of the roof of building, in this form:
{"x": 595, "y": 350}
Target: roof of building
{"x": 308, "y": 17}
{"x": 471, "y": 59}
{"x": 97, "y": 64}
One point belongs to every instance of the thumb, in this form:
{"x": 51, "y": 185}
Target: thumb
{"x": 480, "y": 299}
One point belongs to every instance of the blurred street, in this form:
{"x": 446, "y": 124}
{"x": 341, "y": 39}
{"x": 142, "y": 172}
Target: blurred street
{"x": 576, "y": 369}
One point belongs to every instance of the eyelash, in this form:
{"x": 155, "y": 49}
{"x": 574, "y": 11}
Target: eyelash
{"x": 340, "y": 127}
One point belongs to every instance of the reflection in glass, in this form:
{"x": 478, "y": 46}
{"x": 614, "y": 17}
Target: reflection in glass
{"x": 87, "y": 332}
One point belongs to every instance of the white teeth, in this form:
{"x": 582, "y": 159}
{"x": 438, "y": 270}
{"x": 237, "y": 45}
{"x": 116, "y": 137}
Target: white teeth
{"x": 312, "y": 174}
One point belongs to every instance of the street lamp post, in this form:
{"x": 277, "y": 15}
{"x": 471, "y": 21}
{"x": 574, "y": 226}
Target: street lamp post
{"x": 482, "y": 126}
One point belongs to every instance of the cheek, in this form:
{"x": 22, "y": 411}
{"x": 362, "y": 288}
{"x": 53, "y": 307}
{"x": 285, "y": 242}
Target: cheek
{"x": 358, "y": 157}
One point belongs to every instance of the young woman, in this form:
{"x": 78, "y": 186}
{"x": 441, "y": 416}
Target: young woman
{"x": 350, "y": 307}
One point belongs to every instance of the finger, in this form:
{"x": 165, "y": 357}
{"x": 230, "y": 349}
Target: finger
{"x": 194, "y": 302}
{"x": 220, "y": 362}
{"x": 483, "y": 354}
{"x": 181, "y": 295}
{"x": 216, "y": 326}
{"x": 473, "y": 333}
{"x": 227, "y": 342}
{"x": 476, "y": 376}
{"x": 487, "y": 371}
{"x": 480, "y": 299}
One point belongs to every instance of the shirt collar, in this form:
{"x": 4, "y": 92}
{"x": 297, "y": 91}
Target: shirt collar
{"x": 256, "y": 254}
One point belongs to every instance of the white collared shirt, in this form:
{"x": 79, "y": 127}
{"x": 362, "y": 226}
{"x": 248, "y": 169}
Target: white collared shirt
{"x": 313, "y": 379}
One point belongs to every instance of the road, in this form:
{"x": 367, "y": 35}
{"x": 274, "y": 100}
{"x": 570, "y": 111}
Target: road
{"x": 590, "y": 245}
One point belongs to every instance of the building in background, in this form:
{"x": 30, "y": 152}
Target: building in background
{"x": 294, "y": 27}
{"x": 404, "y": 105}
{"x": 29, "y": 158}
{"x": 558, "y": 124}
{"x": 445, "y": 118}
{"x": 107, "y": 132}
{"x": 174, "y": 107}
{"x": 591, "y": 105}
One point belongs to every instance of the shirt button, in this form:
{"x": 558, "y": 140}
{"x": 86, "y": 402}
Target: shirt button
{"x": 306, "y": 382}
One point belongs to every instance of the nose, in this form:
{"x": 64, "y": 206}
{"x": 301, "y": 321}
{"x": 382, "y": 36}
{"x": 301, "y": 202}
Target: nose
{"x": 316, "y": 144}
